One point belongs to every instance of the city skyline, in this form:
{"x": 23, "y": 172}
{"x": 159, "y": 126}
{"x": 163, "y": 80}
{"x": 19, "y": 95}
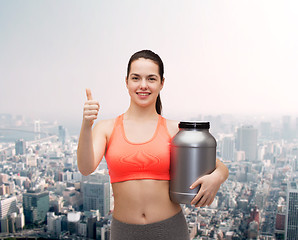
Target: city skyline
{"x": 11, "y": 122}
{"x": 254, "y": 202}
{"x": 218, "y": 58}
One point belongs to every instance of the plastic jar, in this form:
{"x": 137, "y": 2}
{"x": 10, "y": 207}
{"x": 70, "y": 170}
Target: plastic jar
{"x": 193, "y": 154}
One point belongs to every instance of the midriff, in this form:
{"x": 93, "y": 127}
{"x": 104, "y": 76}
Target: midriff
{"x": 143, "y": 201}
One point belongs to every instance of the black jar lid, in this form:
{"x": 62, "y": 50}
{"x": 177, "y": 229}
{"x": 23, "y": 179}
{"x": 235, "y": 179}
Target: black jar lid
{"x": 194, "y": 125}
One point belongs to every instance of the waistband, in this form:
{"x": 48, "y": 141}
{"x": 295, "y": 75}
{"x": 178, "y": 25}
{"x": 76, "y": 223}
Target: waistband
{"x": 174, "y": 228}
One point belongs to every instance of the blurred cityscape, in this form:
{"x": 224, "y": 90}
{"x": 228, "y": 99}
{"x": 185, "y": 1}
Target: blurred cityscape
{"x": 44, "y": 196}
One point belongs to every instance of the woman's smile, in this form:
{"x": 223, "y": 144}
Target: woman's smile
{"x": 143, "y": 95}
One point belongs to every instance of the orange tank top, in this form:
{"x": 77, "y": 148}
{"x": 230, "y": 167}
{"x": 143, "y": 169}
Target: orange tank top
{"x": 131, "y": 161}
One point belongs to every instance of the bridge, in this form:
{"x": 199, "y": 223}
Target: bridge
{"x": 22, "y": 130}
{"x": 54, "y": 137}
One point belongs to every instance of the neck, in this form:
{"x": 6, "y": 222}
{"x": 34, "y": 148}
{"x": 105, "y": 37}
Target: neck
{"x": 141, "y": 113}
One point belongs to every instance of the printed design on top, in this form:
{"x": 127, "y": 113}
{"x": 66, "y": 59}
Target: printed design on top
{"x": 140, "y": 160}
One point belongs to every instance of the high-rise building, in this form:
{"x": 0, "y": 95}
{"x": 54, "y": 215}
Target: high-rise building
{"x": 36, "y": 206}
{"x": 91, "y": 227}
{"x": 296, "y": 128}
{"x": 62, "y": 134}
{"x": 291, "y": 227}
{"x": 4, "y": 227}
{"x": 228, "y": 148}
{"x": 280, "y": 223}
{"x": 20, "y": 147}
{"x": 96, "y": 195}
{"x": 265, "y": 130}
{"x": 31, "y": 160}
{"x": 103, "y": 229}
{"x": 7, "y": 188}
{"x": 82, "y": 228}
{"x": 253, "y": 231}
{"x": 53, "y": 224}
{"x": 73, "y": 219}
{"x": 295, "y": 158}
{"x": 73, "y": 197}
{"x": 8, "y": 206}
{"x": 37, "y": 129}
{"x": 20, "y": 221}
{"x": 12, "y": 222}
{"x": 246, "y": 140}
{"x": 3, "y": 178}
{"x": 286, "y": 128}
{"x": 2, "y": 189}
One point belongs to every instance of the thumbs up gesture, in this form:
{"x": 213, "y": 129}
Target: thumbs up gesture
{"x": 91, "y": 108}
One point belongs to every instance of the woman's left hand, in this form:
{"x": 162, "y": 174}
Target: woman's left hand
{"x": 210, "y": 184}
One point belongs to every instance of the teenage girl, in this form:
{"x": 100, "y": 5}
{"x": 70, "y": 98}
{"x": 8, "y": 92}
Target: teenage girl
{"x": 136, "y": 148}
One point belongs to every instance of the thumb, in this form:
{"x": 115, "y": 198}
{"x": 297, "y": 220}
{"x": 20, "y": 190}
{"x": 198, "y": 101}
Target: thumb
{"x": 88, "y": 93}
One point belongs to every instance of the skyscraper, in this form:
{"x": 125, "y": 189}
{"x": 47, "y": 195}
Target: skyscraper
{"x": 96, "y": 192}
{"x": 37, "y": 129}
{"x": 286, "y": 128}
{"x": 8, "y": 205}
{"x": 20, "y": 147}
{"x": 91, "y": 227}
{"x": 53, "y": 224}
{"x": 96, "y": 196}
{"x": 36, "y": 206}
{"x": 228, "y": 148}
{"x": 265, "y": 130}
{"x": 291, "y": 228}
{"x": 62, "y": 134}
{"x": 295, "y": 158}
{"x": 296, "y": 136}
{"x": 73, "y": 219}
{"x": 246, "y": 140}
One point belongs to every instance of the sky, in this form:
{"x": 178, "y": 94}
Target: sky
{"x": 220, "y": 57}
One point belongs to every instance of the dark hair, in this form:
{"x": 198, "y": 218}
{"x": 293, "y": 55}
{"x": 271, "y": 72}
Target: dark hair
{"x": 148, "y": 54}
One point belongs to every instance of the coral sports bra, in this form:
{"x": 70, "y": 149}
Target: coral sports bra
{"x": 132, "y": 161}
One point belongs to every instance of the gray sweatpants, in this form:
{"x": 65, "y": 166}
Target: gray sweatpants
{"x": 173, "y": 228}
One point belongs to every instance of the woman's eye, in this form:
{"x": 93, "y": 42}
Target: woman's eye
{"x": 152, "y": 79}
{"x": 134, "y": 78}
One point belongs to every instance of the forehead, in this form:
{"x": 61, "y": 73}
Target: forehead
{"x": 144, "y": 66}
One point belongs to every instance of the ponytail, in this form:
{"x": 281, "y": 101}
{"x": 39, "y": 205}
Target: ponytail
{"x": 158, "y": 105}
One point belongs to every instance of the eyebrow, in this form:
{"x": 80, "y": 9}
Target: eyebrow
{"x": 150, "y": 75}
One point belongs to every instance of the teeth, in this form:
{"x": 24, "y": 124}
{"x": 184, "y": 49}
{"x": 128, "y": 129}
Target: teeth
{"x": 143, "y": 94}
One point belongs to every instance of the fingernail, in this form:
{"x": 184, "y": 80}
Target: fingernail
{"x": 190, "y": 187}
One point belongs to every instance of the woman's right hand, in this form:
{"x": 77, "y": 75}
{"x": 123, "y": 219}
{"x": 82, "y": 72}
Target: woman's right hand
{"x": 91, "y": 109}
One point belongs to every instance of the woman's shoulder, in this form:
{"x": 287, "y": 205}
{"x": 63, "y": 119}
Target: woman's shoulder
{"x": 105, "y": 126}
{"x": 106, "y": 122}
{"x": 172, "y": 126}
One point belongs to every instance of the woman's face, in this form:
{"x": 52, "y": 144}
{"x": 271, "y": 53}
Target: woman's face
{"x": 143, "y": 82}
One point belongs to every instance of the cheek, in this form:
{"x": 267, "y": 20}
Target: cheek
{"x": 131, "y": 89}
{"x": 157, "y": 87}
{"x": 130, "y": 86}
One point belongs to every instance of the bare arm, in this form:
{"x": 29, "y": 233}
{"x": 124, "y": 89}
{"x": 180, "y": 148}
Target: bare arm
{"x": 210, "y": 185}
{"x": 221, "y": 170}
{"x": 92, "y": 143}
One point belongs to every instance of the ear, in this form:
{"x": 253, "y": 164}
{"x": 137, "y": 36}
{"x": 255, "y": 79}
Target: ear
{"x": 162, "y": 83}
{"x": 126, "y": 81}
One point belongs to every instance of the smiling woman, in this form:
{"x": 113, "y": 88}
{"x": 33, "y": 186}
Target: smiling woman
{"x": 144, "y": 83}
{"x": 158, "y": 75}
{"x": 136, "y": 146}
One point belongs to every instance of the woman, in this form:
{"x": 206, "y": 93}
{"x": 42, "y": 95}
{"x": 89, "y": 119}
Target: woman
{"x": 136, "y": 147}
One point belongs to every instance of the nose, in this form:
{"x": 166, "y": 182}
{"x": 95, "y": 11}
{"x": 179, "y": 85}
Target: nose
{"x": 143, "y": 84}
